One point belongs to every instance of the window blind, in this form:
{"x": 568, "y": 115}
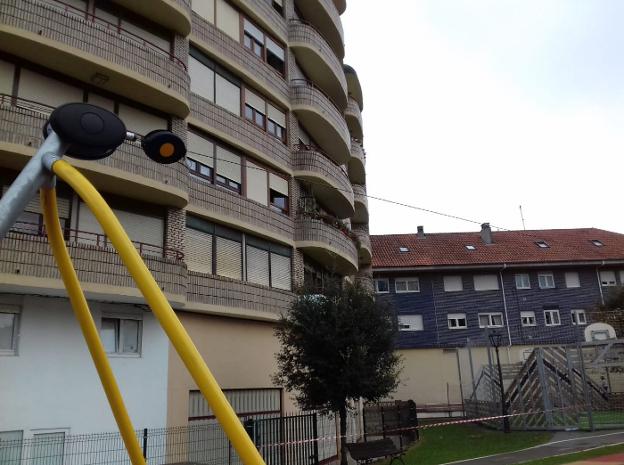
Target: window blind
{"x": 254, "y": 100}
{"x": 228, "y": 20}
{"x": 228, "y": 164}
{"x": 229, "y": 258}
{"x": 280, "y": 272}
{"x": 198, "y": 251}
{"x": 257, "y": 265}
{"x": 257, "y": 183}
{"x": 278, "y": 184}
{"x": 202, "y": 79}
{"x": 139, "y": 121}
{"x": 276, "y": 115}
{"x": 200, "y": 149}
{"x": 228, "y": 94}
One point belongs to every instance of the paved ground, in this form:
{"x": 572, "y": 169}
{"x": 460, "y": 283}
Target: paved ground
{"x": 561, "y": 443}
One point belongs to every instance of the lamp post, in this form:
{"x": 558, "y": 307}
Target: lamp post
{"x": 495, "y": 341}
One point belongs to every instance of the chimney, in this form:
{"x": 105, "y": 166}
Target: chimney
{"x": 486, "y": 234}
{"x": 421, "y": 232}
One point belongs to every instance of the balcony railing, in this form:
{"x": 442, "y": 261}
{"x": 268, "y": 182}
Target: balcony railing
{"x": 24, "y": 230}
{"x": 78, "y": 29}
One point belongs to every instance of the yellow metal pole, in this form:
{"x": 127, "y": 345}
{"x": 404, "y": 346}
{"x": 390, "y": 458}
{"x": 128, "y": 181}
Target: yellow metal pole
{"x": 87, "y": 325}
{"x": 169, "y": 321}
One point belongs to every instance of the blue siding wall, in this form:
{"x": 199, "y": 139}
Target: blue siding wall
{"x": 433, "y": 303}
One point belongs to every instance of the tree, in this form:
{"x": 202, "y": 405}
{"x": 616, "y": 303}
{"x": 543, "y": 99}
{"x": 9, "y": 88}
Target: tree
{"x": 335, "y": 348}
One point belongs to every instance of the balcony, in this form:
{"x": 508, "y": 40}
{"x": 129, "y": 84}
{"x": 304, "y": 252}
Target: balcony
{"x": 326, "y": 244}
{"x": 361, "y": 204}
{"x": 318, "y": 61}
{"x": 239, "y": 132}
{"x": 127, "y": 170}
{"x": 224, "y": 206}
{"x": 353, "y": 85}
{"x": 228, "y": 297}
{"x": 233, "y": 55}
{"x": 357, "y": 163}
{"x": 321, "y": 118}
{"x": 329, "y": 182}
{"x": 172, "y": 14}
{"x": 324, "y": 15}
{"x": 365, "y": 250}
{"x": 27, "y": 264}
{"x": 353, "y": 116}
{"x": 61, "y": 38}
{"x": 341, "y": 5}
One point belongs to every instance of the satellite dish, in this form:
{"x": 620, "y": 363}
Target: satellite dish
{"x": 91, "y": 132}
{"x": 163, "y": 147}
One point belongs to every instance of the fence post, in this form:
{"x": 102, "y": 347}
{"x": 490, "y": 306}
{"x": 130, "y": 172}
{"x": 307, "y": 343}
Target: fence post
{"x": 544, "y": 384}
{"x": 586, "y": 388}
{"x": 315, "y": 437}
{"x": 145, "y": 443}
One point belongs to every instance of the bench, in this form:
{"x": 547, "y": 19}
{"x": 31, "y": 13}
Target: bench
{"x": 366, "y": 452}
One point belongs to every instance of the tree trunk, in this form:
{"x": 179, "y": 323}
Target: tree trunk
{"x": 343, "y": 435}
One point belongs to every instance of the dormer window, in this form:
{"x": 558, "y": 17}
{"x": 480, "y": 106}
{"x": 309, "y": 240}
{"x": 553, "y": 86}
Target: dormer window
{"x": 597, "y": 243}
{"x": 403, "y": 249}
{"x": 542, "y": 244}
{"x": 471, "y": 247}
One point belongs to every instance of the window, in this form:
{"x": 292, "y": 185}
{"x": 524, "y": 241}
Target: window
{"x": 607, "y": 278}
{"x": 471, "y": 247}
{"x": 267, "y": 263}
{"x": 546, "y": 280}
{"x": 382, "y": 286}
{"x": 265, "y": 48}
{"x": 572, "y": 279}
{"x": 490, "y": 320}
{"x": 9, "y": 318}
{"x": 410, "y": 323}
{"x": 486, "y": 282}
{"x": 264, "y": 115}
{"x": 597, "y": 243}
{"x": 11, "y": 447}
{"x": 402, "y": 285}
{"x": 528, "y": 318}
{"x": 542, "y": 244}
{"x": 213, "y": 83}
{"x": 200, "y": 156}
{"x": 278, "y": 5}
{"x": 457, "y": 321}
{"x": 551, "y": 317}
{"x": 453, "y": 283}
{"x": 578, "y": 317}
{"x": 229, "y": 169}
{"x": 121, "y": 335}
{"x": 523, "y": 281}
{"x": 403, "y": 249}
{"x": 278, "y": 193}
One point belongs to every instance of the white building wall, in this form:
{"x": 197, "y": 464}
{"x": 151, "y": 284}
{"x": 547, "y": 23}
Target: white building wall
{"x": 52, "y": 384}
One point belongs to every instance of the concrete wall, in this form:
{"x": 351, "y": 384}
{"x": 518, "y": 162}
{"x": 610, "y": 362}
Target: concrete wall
{"x": 52, "y": 384}
{"x": 240, "y": 354}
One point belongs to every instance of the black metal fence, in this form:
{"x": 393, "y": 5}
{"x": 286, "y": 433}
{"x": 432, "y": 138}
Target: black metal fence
{"x": 396, "y": 420}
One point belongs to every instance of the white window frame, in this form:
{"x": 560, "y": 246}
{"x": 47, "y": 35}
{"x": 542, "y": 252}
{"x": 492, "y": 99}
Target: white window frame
{"x": 521, "y": 276}
{"x": 416, "y": 324}
{"x": 607, "y": 282}
{"x": 552, "y": 311}
{"x": 120, "y": 317}
{"x": 377, "y": 280}
{"x": 490, "y": 316}
{"x": 461, "y": 283}
{"x": 568, "y": 281}
{"x": 17, "y": 311}
{"x": 546, "y": 274}
{"x": 575, "y": 317}
{"x": 406, "y": 281}
{"x": 481, "y": 278}
{"x": 530, "y": 314}
{"x": 456, "y": 317}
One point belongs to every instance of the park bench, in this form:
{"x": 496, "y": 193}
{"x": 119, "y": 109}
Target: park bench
{"x": 366, "y": 452}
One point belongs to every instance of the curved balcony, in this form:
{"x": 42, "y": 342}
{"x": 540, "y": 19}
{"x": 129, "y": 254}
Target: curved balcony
{"x": 224, "y": 206}
{"x": 365, "y": 250}
{"x": 318, "y": 60}
{"x": 27, "y": 263}
{"x": 357, "y": 163}
{"x": 324, "y": 15}
{"x": 239, "y": 132}
{"x": 353, "y": 116}
{"x": 354, "y": 88}
{"x": 364, "y": 278}
{"x": 224, "y": 296}
{"x": 266, "y": 15}
{"x": 172, "y": 14}
{"x": 233, "y": 55}
{"x": 341, "y": 5}
{"x": 330, "y": 183}
{"x": 321, "y": 118}
{"x": 127, "y": 170}
{"x": 361, "y": 204}
{"x": 60, "y": 38}
{"x": 326, "y": 244}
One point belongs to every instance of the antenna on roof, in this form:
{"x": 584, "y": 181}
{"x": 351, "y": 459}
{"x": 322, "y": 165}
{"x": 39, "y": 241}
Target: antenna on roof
{"x": 522, "y": 218}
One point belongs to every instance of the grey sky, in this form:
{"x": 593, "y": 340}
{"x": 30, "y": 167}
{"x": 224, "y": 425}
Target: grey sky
{"x": 473, "y": 107}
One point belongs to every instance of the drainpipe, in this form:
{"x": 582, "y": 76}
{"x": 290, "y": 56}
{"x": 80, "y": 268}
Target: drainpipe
{"x": 500, "y": 273}
{"x": 600, "y": 283}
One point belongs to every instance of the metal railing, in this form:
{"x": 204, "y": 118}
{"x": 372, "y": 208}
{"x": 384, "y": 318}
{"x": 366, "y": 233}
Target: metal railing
{"x": 307, "y": 83}
{"x": 87, "y": 238}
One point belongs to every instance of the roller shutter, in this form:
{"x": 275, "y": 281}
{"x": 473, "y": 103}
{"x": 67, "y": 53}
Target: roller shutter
{"x": 229, "y": 258}
{"x": 198, "y": 250}
{"x": 280, "y": 272}
{"x": 257, "y": 265}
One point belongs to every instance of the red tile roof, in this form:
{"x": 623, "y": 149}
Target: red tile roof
{"x": 511, "y": 247}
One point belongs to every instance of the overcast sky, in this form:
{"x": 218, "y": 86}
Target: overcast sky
{"x": 474, "y": 107}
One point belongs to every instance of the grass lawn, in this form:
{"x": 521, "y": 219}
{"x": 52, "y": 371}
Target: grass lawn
{"x": 458, "y": 442}
{"x": 603, "y": 419}
{"x": 569, "y": 458}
